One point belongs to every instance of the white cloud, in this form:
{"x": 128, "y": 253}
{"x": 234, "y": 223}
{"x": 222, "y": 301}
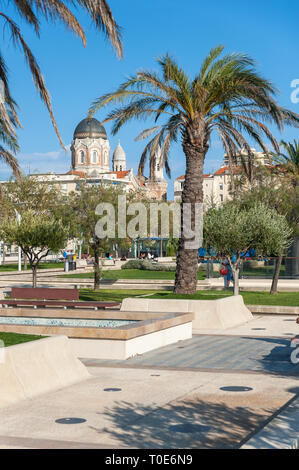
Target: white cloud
{"x": 58, "y": 161}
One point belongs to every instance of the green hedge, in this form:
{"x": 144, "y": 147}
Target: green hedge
{"x": 146, "y": 265}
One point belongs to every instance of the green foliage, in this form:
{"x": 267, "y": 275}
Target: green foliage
{"x": 10, "y": 339}
{"x": 132, "y": 264}
{"x": 146, "y": 265}
{"x": 33, "y": 13}
{"x": 227, "y": 96}
{"x": 232, "y": 229}
{"x": 250, "y": 298}
{"x": 35, "y": 234}
{"x": 172, "y": 247}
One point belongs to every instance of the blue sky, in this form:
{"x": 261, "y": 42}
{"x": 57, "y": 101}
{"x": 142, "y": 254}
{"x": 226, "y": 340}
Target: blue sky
{"x": 267, "y": 30}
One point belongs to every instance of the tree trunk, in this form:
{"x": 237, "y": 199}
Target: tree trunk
{"x": 97, "y": 268}
{"x": 236, "y": 280}
{"x": 34, "y": 275}
{"x": 25, "y": 261}
{"x": 187, "y": 258}
{"x": 276, "y": 276}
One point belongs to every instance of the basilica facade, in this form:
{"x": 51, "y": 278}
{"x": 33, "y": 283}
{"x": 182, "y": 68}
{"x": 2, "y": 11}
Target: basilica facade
{"x": 91, "y": 161}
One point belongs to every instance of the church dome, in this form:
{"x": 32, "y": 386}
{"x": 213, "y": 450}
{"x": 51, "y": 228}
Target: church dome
{"x": 119, "y": 153}
{"x": 90, "y": 127}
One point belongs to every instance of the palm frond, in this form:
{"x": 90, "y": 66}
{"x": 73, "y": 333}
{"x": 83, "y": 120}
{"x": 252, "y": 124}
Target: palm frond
{"x": 10, "y": 160}
{"x": 35, "y": 70}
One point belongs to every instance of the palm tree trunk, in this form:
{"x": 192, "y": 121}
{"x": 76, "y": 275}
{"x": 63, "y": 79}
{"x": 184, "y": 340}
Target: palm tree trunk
{"x": 97, "y": 267}
{"x": 187, "y": 259}
{"x": 276, "y": 276}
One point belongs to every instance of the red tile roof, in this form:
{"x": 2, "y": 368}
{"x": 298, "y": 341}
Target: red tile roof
{"x": 221, "y": 170}
{"x": 183, "y": 176}
{"x": 77, "y": 173}
{"x": 119, "y": 174}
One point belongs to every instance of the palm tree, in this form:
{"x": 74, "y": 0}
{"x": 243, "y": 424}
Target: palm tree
{"x": 9, "y": 145}
{"x": 31, "y": 11}
{"x": 227, "y": 96}
{"x": 288, "y": 163}
{"x": 289, "y": 159}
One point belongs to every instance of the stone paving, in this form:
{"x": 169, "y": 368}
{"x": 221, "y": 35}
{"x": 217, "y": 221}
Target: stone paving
{"x": 140, "y": 408}
{"x": 212, "y": 391}
{"x": 267, "y": 355}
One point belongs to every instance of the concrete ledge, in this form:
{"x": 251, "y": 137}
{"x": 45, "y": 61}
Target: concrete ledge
{"x": 274, "y": 309}
{"x": 37, "y": 367}
{"x": 208, "y": 314}
{"x": 123, "y": 349}
{"x": 144, "y": 324}
{"x": 281, "y": 433}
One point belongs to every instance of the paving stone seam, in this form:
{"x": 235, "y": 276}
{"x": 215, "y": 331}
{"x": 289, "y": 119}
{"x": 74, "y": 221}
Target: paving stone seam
{"x": 190, "y": 369}
{"x": 268, "y": 421}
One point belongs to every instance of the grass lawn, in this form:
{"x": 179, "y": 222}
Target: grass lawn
{"x": 114, "y": 295}
{"x": 9, "y": 339}
{"x": 14, "y": 267}
{"x": 262, "y": 271}
{"x": 132, "y": 274}
{"x": 251, "y": 298}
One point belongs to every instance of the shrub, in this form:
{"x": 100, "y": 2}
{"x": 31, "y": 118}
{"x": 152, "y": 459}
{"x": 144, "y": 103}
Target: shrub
{"x": 132, "y": 264}
{"x": 146, "y": 265}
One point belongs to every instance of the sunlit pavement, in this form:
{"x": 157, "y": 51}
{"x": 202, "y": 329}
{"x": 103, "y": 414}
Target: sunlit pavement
{"x": 212, "y": 391}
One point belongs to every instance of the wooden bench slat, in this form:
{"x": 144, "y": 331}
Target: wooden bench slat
{"x": 62, "y": 303}
{"x": 44, "y": 293}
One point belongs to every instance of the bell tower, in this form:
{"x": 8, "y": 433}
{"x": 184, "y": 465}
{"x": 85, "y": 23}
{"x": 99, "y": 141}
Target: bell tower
{"x": 157, "y": 184}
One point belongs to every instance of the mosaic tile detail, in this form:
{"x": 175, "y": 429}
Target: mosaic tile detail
{"x": 71, "y": 322}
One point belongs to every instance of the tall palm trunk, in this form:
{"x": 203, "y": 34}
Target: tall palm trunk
{"x": 97, "y": 265}
{"x": 187, "y": 259}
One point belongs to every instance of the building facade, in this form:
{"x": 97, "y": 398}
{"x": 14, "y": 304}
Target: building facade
{"x": 216, "y": 186}
{"x": 90, "y": 161}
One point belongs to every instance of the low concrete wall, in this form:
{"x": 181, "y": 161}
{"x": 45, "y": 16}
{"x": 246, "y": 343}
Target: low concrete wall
{"x": 123, "y": 349}
{"x": 37, "y": 367}
{"x": 208, "y": 314}
{"x": 274, "y": 309}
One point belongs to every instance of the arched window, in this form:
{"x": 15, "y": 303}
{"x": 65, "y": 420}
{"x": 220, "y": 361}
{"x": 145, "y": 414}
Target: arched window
{"x": 158, "y": 167}
{"x": 116, "y": 168}
{"x": 82, "y": 157}
{"x": 94, "y": 157}
{"x": 120, "y": 168}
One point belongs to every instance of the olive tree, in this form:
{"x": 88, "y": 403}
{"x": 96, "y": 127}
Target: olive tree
{"x": 232, "y": 230}
{"x": 36, "y": 235}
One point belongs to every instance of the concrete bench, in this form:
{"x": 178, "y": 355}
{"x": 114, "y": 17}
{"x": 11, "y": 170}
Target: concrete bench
{"x": 208, "y": 314}
{"x": 30, "y": 369}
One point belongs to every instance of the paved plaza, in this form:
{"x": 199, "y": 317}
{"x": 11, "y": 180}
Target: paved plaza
{"x": 211, "y": 391}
